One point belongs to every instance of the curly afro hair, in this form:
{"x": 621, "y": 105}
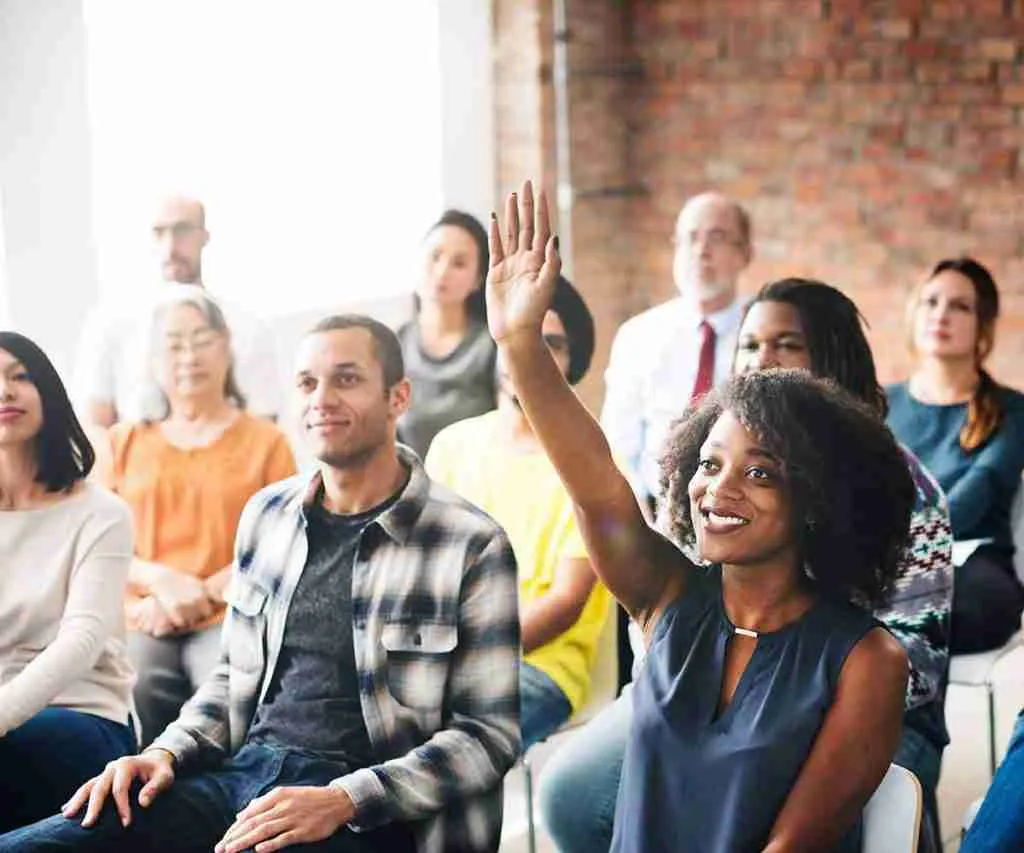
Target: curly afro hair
{"x": 850, "y": 493}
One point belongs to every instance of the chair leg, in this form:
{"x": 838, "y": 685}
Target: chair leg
{"x": 990, "y": 689}
{"x": 528, "y": 779}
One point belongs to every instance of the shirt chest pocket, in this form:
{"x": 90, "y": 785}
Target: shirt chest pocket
{"x": 418, "y": 659}
{"x": 247, "y": 637}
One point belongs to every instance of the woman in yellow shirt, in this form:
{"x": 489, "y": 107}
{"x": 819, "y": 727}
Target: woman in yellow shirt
{"x": 187, "y": 478}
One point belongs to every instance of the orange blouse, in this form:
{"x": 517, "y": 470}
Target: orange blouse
{"x": 186, "y": 503}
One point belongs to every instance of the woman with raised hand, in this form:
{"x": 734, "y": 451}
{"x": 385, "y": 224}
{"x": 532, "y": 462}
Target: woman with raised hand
{"x": 449, "y": 357}
{"x": 769, "y": 706}
{"x": 969, "y": 431}
{"x": 65, "y": 681}
{"x": 186, "y": 478}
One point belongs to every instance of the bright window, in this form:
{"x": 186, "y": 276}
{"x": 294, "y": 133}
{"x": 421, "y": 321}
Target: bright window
{"x": 310, "y": 129}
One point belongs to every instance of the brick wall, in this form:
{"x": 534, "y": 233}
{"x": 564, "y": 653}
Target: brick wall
{"x": 867, "y": 138}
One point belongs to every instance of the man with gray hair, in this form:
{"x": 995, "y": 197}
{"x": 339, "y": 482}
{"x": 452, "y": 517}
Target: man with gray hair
{"x": 674, "y": 353}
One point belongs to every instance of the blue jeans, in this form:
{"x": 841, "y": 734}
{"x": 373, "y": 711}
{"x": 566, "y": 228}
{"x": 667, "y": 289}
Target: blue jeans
{"x": 999, "y": 826}
{"x": 543, "y": 707}
{"x": 194, "y": 813}
{"x": 48, "y": 756}
{"x": 579, "y": 785}
{"x": 922, "y": 758}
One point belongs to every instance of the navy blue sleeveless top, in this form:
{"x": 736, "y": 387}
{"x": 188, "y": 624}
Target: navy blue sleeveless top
{"x": 694, "y": 781}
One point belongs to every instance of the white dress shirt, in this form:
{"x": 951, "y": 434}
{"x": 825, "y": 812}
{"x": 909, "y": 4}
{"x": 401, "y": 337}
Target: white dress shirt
{"x": 113, "y": 364}
{"x": 650, "y": 378}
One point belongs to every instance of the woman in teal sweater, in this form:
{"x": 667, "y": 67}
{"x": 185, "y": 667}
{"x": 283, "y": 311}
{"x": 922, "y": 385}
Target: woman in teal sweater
{"x": 969, "y": 431}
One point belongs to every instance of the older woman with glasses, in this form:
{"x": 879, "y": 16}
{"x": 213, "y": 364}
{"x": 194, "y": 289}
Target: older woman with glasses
{"x": 187, "y": 477}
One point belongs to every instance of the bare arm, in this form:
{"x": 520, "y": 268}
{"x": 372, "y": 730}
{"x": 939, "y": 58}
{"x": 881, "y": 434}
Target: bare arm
{"x": 641, "y": 568}
{"x": 555, "y": 612}
{"x": 851, "y": 753}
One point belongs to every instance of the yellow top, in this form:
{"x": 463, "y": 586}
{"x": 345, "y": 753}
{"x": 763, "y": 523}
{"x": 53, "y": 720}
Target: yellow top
{"x": 186, "y": 503}
{"x": 522, "y": 492}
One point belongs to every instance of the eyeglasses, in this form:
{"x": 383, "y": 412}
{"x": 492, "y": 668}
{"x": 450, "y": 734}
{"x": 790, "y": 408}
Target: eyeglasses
{"x": 175, "y": 229}
{"x": 715, "y": 238}
{"x": 556, "y": 343}
{"x": 175, "y": 345}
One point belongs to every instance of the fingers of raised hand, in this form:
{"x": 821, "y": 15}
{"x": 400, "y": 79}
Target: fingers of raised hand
{"x": 526, "y": 213}
{"x": 542, "y": 233}
{"x": 511, "y": 224}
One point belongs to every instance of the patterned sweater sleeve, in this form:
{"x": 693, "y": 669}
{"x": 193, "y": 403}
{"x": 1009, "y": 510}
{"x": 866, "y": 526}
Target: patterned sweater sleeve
{"x": 918, "y": 614}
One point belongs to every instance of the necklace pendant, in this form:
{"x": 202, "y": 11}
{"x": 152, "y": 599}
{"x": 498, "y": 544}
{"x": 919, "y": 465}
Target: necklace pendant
{"x": 745, "y": 632}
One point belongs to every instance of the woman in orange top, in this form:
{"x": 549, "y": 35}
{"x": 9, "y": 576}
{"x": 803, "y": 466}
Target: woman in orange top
{"x": 187, "y": 478}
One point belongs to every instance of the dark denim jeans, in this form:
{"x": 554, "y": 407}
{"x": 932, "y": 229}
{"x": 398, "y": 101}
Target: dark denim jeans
{"x": 48, "y": 756}
{"x": 543, "y": 707}
{"x": 999, "y": 826}
{"x": 194, "y": 813}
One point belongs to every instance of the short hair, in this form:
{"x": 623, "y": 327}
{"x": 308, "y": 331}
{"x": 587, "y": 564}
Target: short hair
{"x": 386, "y": 347}
{"x": 850, "y": 492}
{"x": 572, "y": 310}
{"x": 476, "y": 304}
{"x": 63, "y": 453}
{"x": 833, "y": 329}
{"x": 198, "y": 298}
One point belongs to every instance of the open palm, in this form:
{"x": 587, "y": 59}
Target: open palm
{"x": 521, "y": 280}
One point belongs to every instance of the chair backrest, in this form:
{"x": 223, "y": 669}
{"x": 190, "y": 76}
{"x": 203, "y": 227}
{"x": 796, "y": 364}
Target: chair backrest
{"x": 604, "y": 673}
{"x": 892, "y": 817}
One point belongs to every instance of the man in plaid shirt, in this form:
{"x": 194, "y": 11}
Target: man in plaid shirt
{"x": 367, "y": 694}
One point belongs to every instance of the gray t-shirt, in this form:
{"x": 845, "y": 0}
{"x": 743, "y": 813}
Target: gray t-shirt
{"x": 445, "y": 390}
{"x": 313, "y": 701}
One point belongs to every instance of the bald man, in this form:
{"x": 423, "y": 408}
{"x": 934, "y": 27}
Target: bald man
{"x": 674, "y": 353}
{"x": 113, "y": 380}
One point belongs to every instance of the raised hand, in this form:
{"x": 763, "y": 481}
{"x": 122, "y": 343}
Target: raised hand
{"x": 524, "y": 269}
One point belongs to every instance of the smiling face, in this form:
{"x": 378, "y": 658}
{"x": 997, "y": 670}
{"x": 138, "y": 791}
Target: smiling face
{"x": 945, "y": 317}
{"x": 771, "y": 336}
{"x": 21, "y": 407}
{"x": 347, "y": 413}
{"x": 738, "y": 500}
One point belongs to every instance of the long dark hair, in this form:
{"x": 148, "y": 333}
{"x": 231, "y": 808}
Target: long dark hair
{"x": 833, "y": 329}
{"x": 63, "y": 452}
{"x": 851, "y": 494}
{"x": 985, "y": 410}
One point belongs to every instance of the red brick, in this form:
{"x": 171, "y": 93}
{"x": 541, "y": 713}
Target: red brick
{"x": 998, "y": 50}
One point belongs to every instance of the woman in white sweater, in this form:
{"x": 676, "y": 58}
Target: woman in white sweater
{"x": 65, "y": 548}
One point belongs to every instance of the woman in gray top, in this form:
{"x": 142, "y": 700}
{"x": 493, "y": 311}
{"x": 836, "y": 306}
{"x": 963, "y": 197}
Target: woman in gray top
{"x": 449, "y": 355}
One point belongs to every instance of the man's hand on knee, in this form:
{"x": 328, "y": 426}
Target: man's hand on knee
{"x": 286, "y": 816}
{"x": 154, "y": 769}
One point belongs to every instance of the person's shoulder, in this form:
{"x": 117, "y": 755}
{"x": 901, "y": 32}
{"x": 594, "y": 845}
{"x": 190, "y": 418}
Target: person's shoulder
{"x": 125, "y": 433}
{"x": 1012, "y": 399}
{"x": 466, "y": 431}
{"x": 895, "y": 391}
{"x": 929, "y": 492}
{"x": 254, "y": 427}
{"x": 459, "y": 518}
{"x": 103, "y": 502}
{"x": 657, "y": 320}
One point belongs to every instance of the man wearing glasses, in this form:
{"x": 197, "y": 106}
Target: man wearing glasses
{"x": 112, "y": 377}
{"x": 674, "y": 353}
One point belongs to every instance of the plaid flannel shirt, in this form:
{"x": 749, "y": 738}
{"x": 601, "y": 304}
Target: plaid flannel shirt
{"x": 436, "y": 637}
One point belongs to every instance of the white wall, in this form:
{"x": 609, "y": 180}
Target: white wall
{"x": 48, "y": 257}
{"x": 467, "y": 105}
{"x": 325, "y": 138}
